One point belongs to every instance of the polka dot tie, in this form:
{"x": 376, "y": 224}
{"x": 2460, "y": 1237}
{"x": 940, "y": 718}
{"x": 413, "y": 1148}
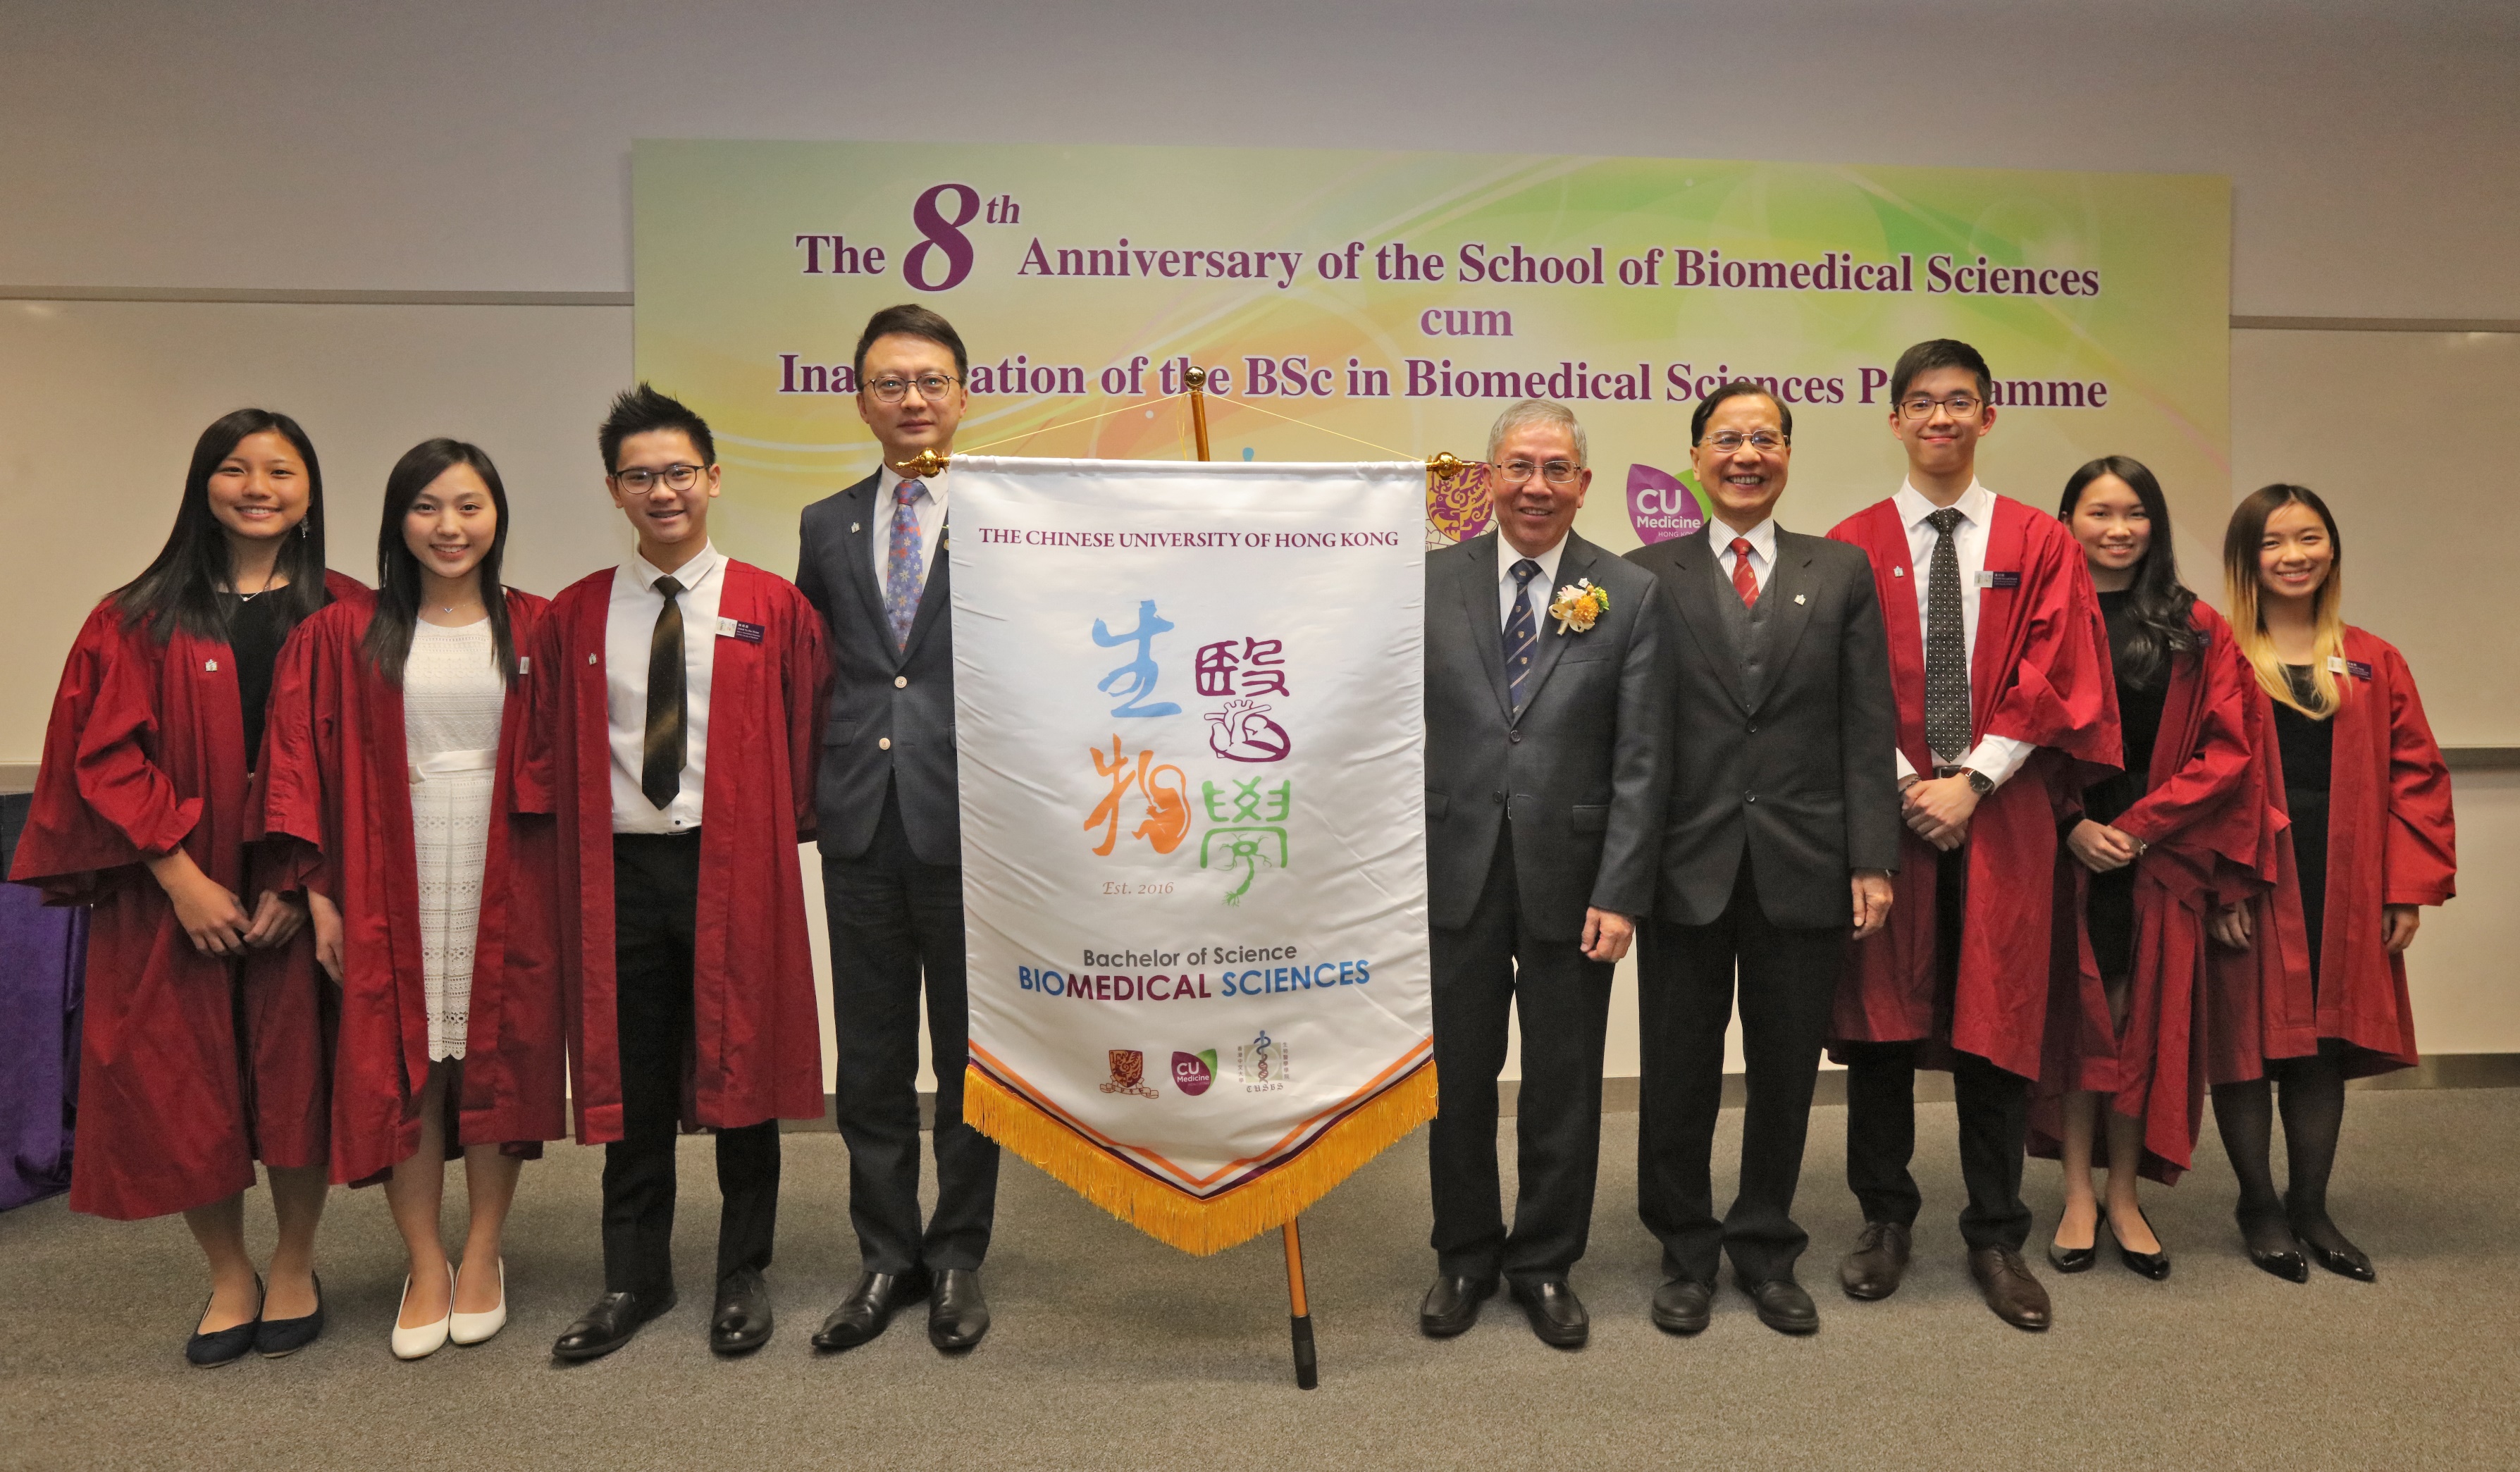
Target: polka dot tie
{"x": 1521, "y": 631}
{"x": 1745, "y": 582}
{"x": 904, "y": 562}
{"x": 1947, "y": 691}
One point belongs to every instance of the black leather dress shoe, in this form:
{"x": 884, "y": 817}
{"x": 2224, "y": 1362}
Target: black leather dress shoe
{"x": 957, "y": 1313}
{"x": 2016, "y": 1296}
{"x": 1878, "y": 1262}
{"x": 1782, "y": 1304}
{"x": 1451, "y": 1305}
{"x": 741, "y": 1323}
{"x": 279, "y": 1338}
{"x": 1556, "y": 1314}
{"x": 612, "y": 1323}
{"x": 869, "y": 1307}
{"x": 1680, "y": 1306}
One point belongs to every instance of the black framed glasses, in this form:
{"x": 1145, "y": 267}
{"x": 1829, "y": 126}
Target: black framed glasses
{"x": 892, "y": 389}
{"x": 639, "y": 480}
{"x": 1921, "y": 406}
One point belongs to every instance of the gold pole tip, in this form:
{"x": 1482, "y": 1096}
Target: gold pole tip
{"x": 1446, "y": 466}
{"x": 1195, "y": 379}
{"x": 925, "y": 463}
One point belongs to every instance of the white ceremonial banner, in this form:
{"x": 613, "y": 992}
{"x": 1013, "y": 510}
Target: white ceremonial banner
{"x": 1189, "y": 722}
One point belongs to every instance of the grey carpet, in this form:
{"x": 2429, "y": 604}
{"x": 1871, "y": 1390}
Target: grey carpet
{"x": 1113, "y": 1352}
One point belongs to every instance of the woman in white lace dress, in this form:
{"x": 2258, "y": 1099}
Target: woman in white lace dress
{"x": 401, "y": 726}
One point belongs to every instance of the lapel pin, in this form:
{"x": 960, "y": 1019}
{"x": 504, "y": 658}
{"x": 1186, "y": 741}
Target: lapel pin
{"x": 853, "y": 527}
{"x": 210, "y": 665}
{"x": 1801, "y": 597}
{"x": 1898, "y": 572}
{"x": 590, "y": 660}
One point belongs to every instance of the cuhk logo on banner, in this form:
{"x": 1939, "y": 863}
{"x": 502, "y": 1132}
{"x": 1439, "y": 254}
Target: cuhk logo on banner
{"x": 1661, "y": 507}
{"x": 1458, "y": 506}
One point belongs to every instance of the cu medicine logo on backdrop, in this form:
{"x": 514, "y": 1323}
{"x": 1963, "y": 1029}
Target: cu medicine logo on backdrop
{"x": 1261, "y": 1066}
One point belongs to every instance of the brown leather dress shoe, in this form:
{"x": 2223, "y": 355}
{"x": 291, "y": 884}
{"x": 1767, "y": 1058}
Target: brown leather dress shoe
{"x": 1877, "y": 1263}
{"x": 2017, "y": 1297}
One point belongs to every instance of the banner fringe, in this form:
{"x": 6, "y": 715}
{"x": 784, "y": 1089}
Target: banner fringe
{"x": 1175, "y": 1217}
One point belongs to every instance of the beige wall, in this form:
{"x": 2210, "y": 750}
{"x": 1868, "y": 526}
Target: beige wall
{"x": 481, "y": 149}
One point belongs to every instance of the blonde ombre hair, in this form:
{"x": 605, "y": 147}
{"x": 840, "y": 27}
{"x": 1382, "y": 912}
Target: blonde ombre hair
{"x": 2241, "y": 545}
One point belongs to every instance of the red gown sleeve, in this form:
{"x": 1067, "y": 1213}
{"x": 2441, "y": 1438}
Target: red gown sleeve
{"x": 2061, "y": 694}
{"x": 2420, "y": 858}
{"x": 101, "y": 800}
{"x": 2207, "y": 784}
{"x": 805, "y": 672}
{"x": 532, "y": 792}
{"x": 295, "y": 726}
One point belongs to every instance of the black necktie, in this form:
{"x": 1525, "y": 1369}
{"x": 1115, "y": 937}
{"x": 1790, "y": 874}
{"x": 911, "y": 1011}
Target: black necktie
{"x": 1521, "y": 631}
{"x": 1947, "y": 691}
{"x": 660, "y": 767}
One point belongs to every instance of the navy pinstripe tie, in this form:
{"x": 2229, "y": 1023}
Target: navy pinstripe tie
{"x": 1521, "y": 631}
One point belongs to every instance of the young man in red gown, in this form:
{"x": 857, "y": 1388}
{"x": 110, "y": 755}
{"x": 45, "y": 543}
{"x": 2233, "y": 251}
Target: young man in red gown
{"x": 2000, "y": 672}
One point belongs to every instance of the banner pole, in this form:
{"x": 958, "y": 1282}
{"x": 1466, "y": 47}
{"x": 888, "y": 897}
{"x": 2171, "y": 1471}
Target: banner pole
{"x": 1308, "y": 1374}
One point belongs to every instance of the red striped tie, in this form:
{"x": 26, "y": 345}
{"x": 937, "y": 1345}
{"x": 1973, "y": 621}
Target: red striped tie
{"x": 1745, "y": 581}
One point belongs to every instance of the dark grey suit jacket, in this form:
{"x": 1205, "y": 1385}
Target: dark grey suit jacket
{"x": 891, "y": 717}
{"x": 1797, "y": 757}
{"x": 1583, "y": 767}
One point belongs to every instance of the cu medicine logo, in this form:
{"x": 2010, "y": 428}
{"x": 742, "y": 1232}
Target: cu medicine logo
{"x": 1192, "y": 1072}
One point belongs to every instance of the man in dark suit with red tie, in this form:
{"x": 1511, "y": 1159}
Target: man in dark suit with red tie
{"x": 1784, "y": 827}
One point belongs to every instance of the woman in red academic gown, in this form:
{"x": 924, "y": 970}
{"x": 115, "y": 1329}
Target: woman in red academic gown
{"x": 2152, "y": 847}
{"x": 2319, "y": 994}
{"x": 206, "y": 1022}
{"x": 395, "y": 727}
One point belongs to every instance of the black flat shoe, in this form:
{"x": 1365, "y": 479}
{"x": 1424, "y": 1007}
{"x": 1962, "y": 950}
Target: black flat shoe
{"x": 2152, "y": 1264}
{"x": 612, "y": 1322}
{"x": 958, "y": 1315}
{"x": 280, "y": 1338}
{"x": 2348, "y": 1262}
{"x": 2272, "y": 1247}
{"x": 1556, "y": 1314}
{"x": 741, "y": 1323}
{"x": 870, "y": 1307}
{"x": 224, "y": 1345}
{"x": 1451, "y": 1305}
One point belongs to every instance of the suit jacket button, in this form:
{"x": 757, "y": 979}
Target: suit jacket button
{"x": 883, "y": 744}
{"x": 1754, "y": 727}
{"x": 1513, "y": 737}
{"x": 1749, "y": 797}
{"x": 901, "y": 681}
{"x": 1495, "y": 797}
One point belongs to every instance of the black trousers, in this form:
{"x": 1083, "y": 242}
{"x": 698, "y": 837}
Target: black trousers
{"x": 1993, "y": 1109}
{"x": 655, "y": 899}
{"x": 1483, "y": 973}
{"x": 895, "y": 921}
{"x": 1685, "y": 980}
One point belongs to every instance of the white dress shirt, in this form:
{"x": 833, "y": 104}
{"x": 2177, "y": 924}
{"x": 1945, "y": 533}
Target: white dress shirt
{"x": 931, "y": 522}
{"x": 1994, "y": 757}
{"x": 1762, "y": 548}
{"x": 1543, "y": 588}
{"x": 629, "y": 629}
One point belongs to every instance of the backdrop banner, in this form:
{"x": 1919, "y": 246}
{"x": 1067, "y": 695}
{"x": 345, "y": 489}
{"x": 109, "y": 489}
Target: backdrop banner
{"x": 1189, "y": 713}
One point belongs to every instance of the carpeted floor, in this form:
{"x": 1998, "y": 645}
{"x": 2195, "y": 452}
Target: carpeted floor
{"x": 1113, "y": 1352}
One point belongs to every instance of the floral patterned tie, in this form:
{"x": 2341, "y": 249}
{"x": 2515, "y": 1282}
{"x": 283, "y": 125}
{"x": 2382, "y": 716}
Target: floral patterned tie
{"x": 905, "y": 564}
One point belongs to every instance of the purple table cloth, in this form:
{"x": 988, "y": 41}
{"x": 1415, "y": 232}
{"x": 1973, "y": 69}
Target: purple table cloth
{"x": 43, "y": 964}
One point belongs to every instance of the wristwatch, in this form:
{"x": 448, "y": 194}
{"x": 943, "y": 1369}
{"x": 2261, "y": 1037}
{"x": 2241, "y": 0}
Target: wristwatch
{"x": 1979, "y": 783}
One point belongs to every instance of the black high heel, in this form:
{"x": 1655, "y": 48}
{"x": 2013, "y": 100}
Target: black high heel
{"x": 2258, "y": 1233}
{"x": 2075, "y": 1259}
{"x": 2344, "y": 1259}
{"x": 225, "y": 1346}
{"x": 2152, "y": 1264}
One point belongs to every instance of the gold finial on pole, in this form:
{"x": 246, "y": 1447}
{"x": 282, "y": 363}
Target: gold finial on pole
{"x": 1445, "y": 464}
{"x": 925, "y": 463}
{"x": 1196, "y": 381}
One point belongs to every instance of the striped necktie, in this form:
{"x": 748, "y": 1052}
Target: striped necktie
{"x": 1521, "y": 631}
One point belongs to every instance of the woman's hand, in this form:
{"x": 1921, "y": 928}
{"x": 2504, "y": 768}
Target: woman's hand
{"x": 2103, "y": 848}
{"x": 209, "y": 914}
{"x": 2230, "y": 926}
{"x": 326, "y": 920}
{"x": 276, "y": 922}
{"x": 2398, "y": 925}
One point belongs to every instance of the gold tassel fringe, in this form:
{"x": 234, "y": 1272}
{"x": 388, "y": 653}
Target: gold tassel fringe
{"x": 1177, "y": 1218}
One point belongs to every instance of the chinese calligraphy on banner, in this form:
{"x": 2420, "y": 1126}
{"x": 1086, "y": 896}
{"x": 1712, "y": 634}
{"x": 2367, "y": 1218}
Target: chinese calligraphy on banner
{"x": 1188, "y": 710}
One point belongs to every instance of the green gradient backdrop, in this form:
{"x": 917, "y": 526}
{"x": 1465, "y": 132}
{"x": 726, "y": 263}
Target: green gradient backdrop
{"x": 722, "y": 293}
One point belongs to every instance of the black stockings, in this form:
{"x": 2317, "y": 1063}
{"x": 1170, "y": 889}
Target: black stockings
{"x": 2311, "y": 1095}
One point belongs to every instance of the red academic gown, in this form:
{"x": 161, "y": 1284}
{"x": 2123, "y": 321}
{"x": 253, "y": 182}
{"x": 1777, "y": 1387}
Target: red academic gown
{"x": 191, "y": 1067}
{"x": 2040, "y": 673}
{"x": 2209, "y": 840}
{"x": 2390, "y": 840}
{"x": 337, "y": 782}
{"x": 757, "y": 1036}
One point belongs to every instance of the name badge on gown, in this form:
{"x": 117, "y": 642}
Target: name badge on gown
{"x": 1998, "y": 580}
{"x": 727, "y": 628}
{"x": 2353, "y": 667}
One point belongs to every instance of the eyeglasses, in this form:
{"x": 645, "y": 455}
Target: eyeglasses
{"x": 1731, "y": 441}
{"x": 893, "y": 388}
{"x": 1921, "y": 406}
{"x": 1555, "y": 471}
{"x": 639, "y": 480}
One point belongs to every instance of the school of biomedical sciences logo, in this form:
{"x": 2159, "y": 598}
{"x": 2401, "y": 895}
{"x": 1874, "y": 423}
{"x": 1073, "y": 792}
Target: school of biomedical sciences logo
{"x": 1128, "y": 1073}
{"x": 1263, "y": 1064}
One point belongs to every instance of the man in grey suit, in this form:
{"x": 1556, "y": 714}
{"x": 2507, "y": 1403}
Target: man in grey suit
{"x": 1545, "y": 749}
{"x": 1783, "y": 828}
{"x": 890, "y": 829}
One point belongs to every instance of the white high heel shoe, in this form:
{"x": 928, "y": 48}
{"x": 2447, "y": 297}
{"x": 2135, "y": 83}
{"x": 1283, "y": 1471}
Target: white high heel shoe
{"x": 472, "y": 1328}
{"x": 422, "y": 1342}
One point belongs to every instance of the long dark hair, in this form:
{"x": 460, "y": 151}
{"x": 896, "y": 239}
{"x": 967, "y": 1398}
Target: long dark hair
{"x": 2163, "y": 609}
{"x": 398, "y": 575}
{"x": 180, "y": 589}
